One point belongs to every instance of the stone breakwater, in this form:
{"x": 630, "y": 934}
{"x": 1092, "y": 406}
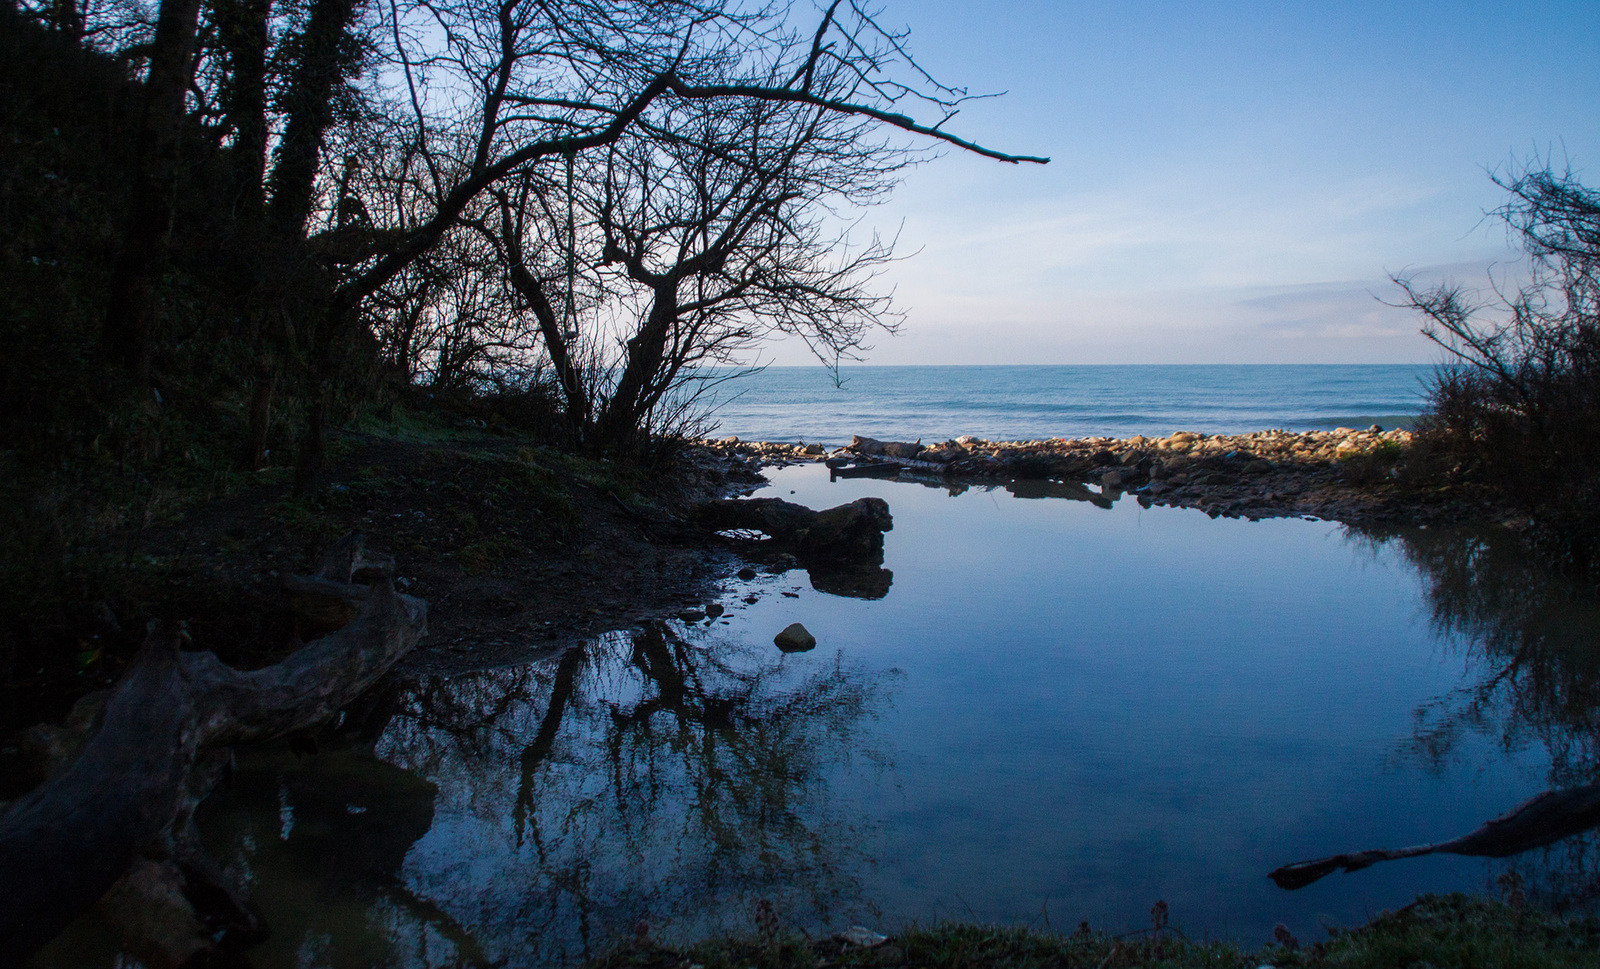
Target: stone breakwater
{"x": 1349, "y": 475}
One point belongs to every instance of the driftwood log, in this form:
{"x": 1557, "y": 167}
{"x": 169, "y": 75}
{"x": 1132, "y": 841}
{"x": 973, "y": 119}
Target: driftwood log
{"x": 847, "y": 530}
{"x": 113, "y": 822}
{"x": 842, "y": 547}
{"x": 1539, "y": 821}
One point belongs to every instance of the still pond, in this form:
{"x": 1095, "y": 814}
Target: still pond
{"x": 1050, "y": 712}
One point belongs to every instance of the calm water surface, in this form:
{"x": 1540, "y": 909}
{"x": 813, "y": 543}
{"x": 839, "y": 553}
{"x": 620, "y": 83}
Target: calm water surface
{"x": 1057, "y": 712}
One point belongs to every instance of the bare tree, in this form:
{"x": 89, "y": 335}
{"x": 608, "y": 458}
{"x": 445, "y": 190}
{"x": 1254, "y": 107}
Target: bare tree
{"x": 480, "y": 97}
{"x": 723, "y": 231}
{"x": 496, "y": 93}
{"x": 1520, "y": 404}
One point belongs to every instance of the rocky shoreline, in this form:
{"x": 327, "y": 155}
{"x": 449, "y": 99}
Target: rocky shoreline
{"x": 1356, "y": 476}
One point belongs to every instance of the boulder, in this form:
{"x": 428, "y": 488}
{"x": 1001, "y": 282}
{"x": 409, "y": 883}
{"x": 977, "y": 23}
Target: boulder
{"x": 794, "y": 638}
{"x": 902, "y": 449}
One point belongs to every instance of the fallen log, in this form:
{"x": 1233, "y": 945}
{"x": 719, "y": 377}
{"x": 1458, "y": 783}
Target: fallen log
{"x": 881, "y": 469}
{"x": 113, "y": 821}
{"x": 847, "y": 530}
{"x": 1539, "y": 821}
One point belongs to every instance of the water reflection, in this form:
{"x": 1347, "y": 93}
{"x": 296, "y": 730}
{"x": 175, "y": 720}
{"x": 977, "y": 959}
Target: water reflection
{"x": 1098, "y": 709}
{"x": 642, "y": 782}
{"x": 1533, "y": 672}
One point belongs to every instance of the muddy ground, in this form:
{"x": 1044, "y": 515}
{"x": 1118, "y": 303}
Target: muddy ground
{"x": 517, "y": 549}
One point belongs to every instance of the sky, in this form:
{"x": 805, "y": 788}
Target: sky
{"x": 1230, "y": 182}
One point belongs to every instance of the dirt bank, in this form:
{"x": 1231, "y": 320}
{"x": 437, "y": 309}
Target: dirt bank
{"x": 517, "y": 548}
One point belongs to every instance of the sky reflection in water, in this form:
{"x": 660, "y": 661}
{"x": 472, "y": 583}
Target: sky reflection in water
{"x": 1058, "y": 711}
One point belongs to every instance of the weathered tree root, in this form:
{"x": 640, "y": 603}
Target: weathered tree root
{"x": 1541, "y": 820}
{"x": 112, "y": 823}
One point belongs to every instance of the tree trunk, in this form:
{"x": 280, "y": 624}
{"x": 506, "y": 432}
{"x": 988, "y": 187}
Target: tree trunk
{"x": 135, "y": 281}
{"x": 625, "y": 412}
{"x": 309, "y": 105}
{"x": 1541, "y": 820}
{"x": 255, "y": 457}
{"x": 242, "y": 30}
{"x": 573, "y": 391}
{"x": 119, "y": 813}
{"x": 308, "y": 459}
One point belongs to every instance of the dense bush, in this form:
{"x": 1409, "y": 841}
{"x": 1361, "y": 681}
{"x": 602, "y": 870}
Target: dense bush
{"x": 1518, "y": 405}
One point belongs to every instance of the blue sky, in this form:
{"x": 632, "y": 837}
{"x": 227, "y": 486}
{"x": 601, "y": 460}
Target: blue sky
{"x": 1231, "y": 182}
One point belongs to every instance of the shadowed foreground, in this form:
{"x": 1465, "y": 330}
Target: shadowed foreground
{"x": 1438, "y": 930}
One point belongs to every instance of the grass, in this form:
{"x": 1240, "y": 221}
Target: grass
{"x": 1439, "y": 931}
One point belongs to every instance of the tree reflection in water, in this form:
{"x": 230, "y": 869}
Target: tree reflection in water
{"x": 1533, "y": 653}
{"x": 653, "y": 777}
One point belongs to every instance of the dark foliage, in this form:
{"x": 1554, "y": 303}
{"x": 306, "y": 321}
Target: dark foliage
{"x": 1518, "y": 407}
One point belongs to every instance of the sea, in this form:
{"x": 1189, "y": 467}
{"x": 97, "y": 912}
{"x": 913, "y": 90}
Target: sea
{"x": 1007, "y": 403}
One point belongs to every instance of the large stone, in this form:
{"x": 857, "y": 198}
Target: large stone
{"x": 794, "y": 638}
{"x": 902, "y": 449}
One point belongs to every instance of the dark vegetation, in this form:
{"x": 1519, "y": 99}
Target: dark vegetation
{"x": 1449, "y": 930}
{"x": 233, "y": 231}
{"x": 1518, "y": 406}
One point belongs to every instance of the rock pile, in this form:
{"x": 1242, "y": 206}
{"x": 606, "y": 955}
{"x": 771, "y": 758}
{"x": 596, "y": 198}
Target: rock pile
{"x": 1345, "y": 474}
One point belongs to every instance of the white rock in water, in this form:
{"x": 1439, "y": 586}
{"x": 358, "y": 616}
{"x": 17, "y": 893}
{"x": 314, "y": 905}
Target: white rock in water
{"x": 966, "y": 439}
{"x": 795, "y": 638}
{"x": 862, "y": 936}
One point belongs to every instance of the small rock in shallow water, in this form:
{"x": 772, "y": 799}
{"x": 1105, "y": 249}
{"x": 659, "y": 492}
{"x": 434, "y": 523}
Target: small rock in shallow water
{"x": 862, "y": 936}
{"x": 715, "y": 609}
{"x": 794, "y": 639}
{"x": 747, "y": 573}
{"x": 691, "y": 615}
